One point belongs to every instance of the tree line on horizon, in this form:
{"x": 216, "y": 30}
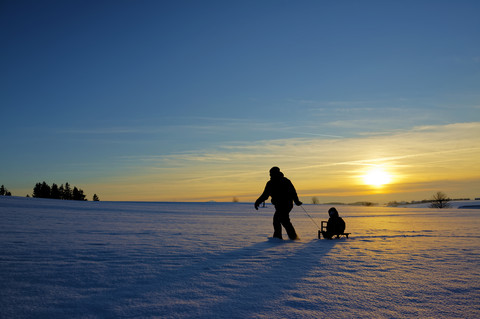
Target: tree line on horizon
{"x": 43, "y": 190}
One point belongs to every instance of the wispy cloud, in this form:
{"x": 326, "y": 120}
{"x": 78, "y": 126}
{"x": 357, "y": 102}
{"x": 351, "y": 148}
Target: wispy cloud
{"x": 422, "y": 155}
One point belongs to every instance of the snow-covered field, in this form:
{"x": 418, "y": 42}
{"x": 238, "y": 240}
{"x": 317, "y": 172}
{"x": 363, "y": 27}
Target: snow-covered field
{"x": 66, "y": 259}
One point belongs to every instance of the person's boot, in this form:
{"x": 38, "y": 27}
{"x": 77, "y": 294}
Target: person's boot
{"x": 276, "y": 235}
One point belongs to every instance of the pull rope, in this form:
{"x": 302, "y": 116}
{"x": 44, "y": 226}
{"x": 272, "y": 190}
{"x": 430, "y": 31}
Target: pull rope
{"x": 310, "y": 217}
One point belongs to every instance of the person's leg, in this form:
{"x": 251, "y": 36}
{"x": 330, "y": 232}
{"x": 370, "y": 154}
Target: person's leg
{"x": 277, "y": 225}
{"x": 292, "y": 234}
{"x": 287, "y": 224}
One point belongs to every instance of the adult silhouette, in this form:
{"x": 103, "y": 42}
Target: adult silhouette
{"x": 283, "y": 195}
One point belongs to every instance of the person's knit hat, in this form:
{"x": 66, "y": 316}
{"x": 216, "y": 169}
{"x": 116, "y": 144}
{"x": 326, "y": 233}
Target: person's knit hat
{"x": 275, "y": 172}
{"x": 332, "y": 212}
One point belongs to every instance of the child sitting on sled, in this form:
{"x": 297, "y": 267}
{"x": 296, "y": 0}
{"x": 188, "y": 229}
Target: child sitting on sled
{"x": 335, "y": 224}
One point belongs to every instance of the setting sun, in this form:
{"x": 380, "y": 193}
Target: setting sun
{"x": 377, "y": 177}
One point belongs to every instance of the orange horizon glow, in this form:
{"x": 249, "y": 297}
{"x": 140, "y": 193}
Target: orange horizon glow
{"x": 409, "y": 165}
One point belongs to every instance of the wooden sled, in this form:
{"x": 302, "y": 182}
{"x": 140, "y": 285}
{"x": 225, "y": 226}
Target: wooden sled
{"x": 324, "y": 229}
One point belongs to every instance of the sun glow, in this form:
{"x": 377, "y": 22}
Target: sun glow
{"x": 377, "y": 177}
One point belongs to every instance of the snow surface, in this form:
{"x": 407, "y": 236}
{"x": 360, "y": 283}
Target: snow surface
{"x": 67, "y": 259}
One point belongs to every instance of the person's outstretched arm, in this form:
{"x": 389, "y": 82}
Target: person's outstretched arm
{"x": 263, "y": 197}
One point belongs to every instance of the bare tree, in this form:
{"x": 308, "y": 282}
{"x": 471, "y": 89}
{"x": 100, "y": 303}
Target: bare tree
{"x": 440, "y": 200}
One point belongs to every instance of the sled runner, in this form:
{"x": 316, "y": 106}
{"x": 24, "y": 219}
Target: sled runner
{"x": 324, "y": 229}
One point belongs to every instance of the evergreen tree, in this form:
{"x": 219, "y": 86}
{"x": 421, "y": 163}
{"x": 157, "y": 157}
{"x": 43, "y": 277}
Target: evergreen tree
{"x": 41, "y": 190}
{"x": 82, "y": 196}
{"x": 37, "y": 190}
{"x": 67, "y": 192}
{"x": 61, "y": 190}
{"x": 46, "y": 191}
{"x": 55, "y": 192}
{"x": 77, "y": 194}
{"x": 4, "y": 191}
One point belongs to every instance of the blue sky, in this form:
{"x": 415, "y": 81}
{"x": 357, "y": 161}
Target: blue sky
{"x": 110, "y": 95}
